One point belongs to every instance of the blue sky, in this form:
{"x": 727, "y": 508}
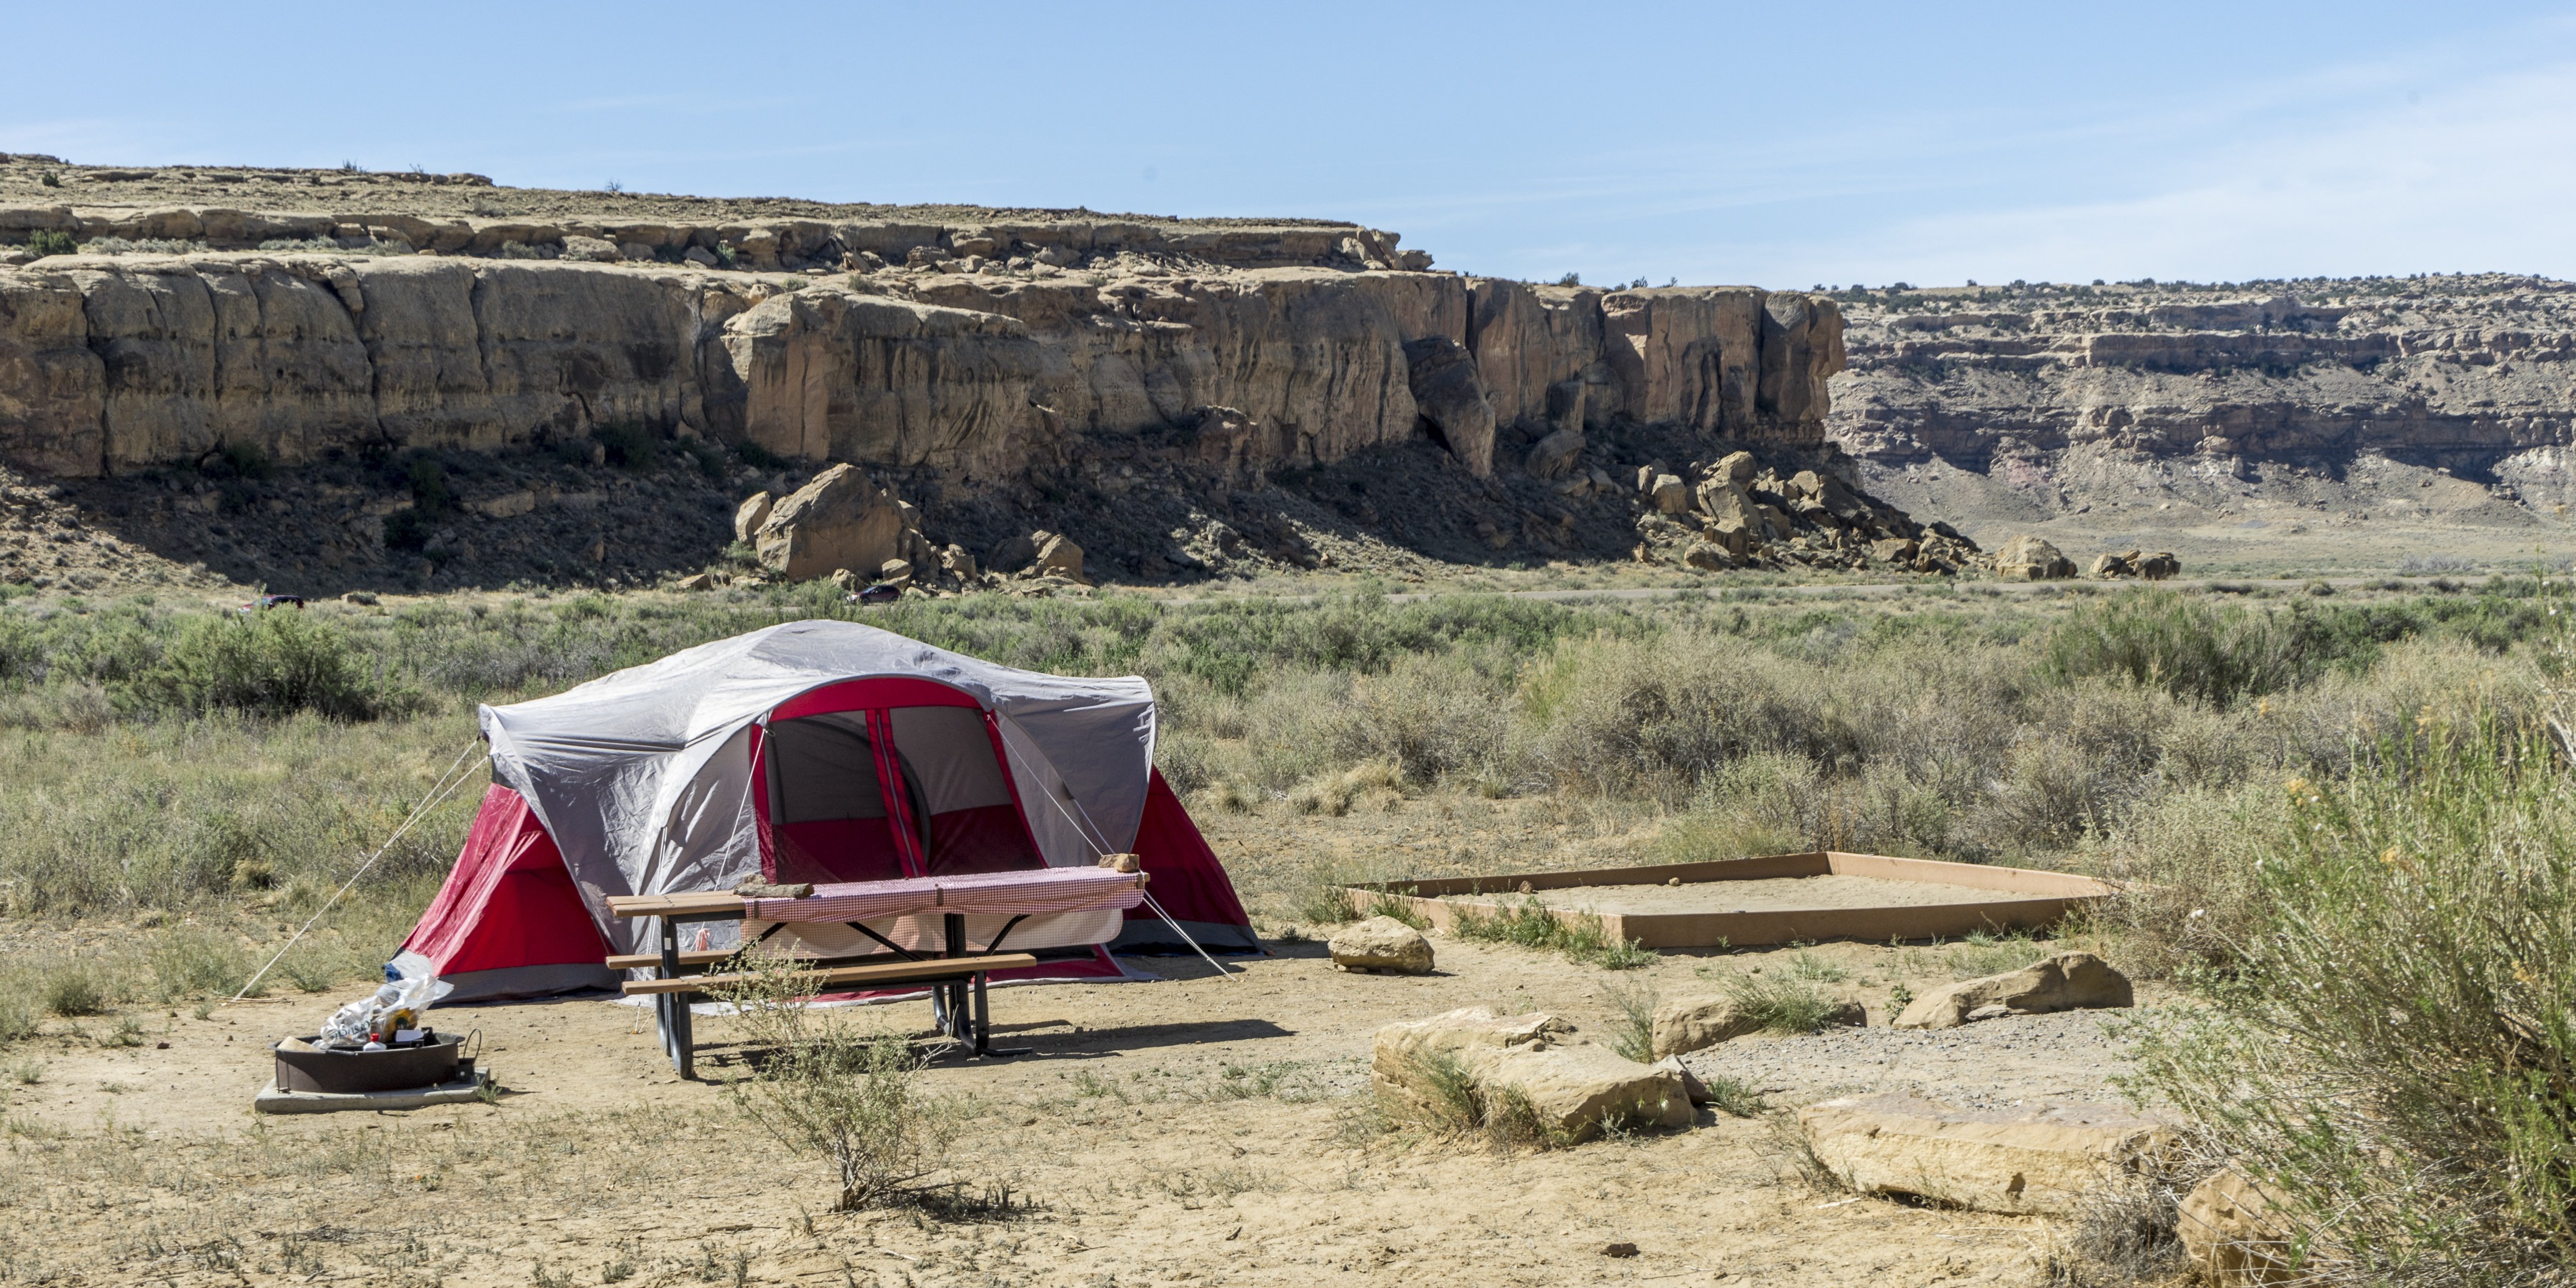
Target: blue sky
{"x": 1782, "y": 145}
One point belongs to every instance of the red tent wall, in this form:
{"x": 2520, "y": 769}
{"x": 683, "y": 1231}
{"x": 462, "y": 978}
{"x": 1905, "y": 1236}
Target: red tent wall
{"x": 509, "y": 922}
{"x": 1188, "y": 881}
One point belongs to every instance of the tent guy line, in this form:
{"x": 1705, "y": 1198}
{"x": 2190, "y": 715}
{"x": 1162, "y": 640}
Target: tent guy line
{"x": 438, "y": 794}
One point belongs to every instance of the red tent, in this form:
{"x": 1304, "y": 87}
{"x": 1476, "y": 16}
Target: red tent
{"x": 855, "y": 777}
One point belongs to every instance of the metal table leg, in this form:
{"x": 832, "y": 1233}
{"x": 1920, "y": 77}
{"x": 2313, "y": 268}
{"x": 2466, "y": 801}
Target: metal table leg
{"x": 675, "y": 1014}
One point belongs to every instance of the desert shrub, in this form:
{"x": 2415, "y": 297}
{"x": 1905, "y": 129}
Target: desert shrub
{"x": 46, "y": 241}
{"x": 74, "y": 990}
{"x": 2184, "y": 876}
{"x": 425, "y": 477}
{"x": 631, "y": 445}
{"x": 1734, "y": 1095}
{"x": 199, "y": 961}
{"x": 140, "y": 246}
{"x": 2191, "y": 648}
{"x": 269, "y": 663}
{"x": 1395, "y": 908}
{"x": 1632, "y": 1034}
{"x": 1376, "y": 784}
{"x": 1655, "y": 717}
{"x": 1324, "y": 901}
{"x": 1430, "y": 715}
{"x": 18, "y": 1010}
{"x": 2388, "y": 1045}
{"x": 2121, "y": 1233}
{"x": 1188, "y": 762}
{"x": 820, "y": 1085}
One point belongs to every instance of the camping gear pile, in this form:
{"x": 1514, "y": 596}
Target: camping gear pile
{"x": 374, "y": 1053}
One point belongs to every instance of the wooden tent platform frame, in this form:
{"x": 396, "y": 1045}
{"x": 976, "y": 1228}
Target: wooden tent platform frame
{"x": 2023, "y": 899}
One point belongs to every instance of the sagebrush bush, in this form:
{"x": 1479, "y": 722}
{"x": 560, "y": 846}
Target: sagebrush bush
{"x": 822, "y": 1085}
{"x": 2389, "y": 1045}
{"x": 269, "y": 663}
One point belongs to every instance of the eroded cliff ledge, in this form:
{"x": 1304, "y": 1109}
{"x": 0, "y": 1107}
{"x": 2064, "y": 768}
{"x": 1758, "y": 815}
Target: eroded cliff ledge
{"x": 114, "y": 363}
{"x": 2345, "y": 402}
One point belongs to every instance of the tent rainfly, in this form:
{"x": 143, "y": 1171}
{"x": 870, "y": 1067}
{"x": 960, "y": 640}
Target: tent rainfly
{"x": 818, "y": 751}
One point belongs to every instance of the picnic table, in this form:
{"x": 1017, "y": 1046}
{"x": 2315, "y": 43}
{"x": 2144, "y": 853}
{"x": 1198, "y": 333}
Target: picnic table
{"x": 957, "y": 969}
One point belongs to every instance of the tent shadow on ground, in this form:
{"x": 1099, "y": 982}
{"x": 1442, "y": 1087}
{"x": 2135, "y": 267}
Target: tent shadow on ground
{"x": 1088, "y": 1044}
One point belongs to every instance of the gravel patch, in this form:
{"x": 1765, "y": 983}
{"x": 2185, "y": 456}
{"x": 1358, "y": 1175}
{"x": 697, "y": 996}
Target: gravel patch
{"x": 1992, "y": 1064}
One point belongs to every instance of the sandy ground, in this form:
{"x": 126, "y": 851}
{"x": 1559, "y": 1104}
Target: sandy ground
{"x": 1764, "y": 895}
{"x": 1192, "y": 1130}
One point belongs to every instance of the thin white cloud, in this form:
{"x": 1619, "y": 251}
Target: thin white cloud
{"x": 2473, "y": 176}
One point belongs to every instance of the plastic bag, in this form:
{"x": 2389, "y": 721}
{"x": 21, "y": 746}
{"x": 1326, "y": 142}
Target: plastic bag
{"x": 366, "y": 1018}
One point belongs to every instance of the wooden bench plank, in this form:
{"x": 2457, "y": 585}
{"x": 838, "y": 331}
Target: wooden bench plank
{"x": 648, "y": 961}
{"x": 679, "y": 905}
{"x": 886, "y": 973}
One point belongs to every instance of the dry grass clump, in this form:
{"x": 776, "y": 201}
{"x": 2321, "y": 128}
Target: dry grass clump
{"x": 1780, "y": 1002}
{"x": 1532, "y": 924}
{"x": 1445, "y": 1100}
{"x": 1375, "y": 785}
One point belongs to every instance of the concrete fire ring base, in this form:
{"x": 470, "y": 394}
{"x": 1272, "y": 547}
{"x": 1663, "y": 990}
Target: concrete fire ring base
{"x": 273, "y": 1101}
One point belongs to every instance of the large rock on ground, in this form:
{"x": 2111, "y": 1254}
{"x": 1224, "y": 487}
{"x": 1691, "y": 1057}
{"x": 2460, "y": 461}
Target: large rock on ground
{"x": 2065, "y": 982}
{"x": 753, "y": 512}
{"x": 1693, "y": 1023}
{"x": 1555, "y": 455}
{"x": 1576, "y": 1089}
{"x": 2229, "y": 1232}
{"x": 842, "y": 519}
{"x": 1057, "y": 556}
{"x": 2028, "y": 558}
{"x": 1725, "y": 503}
{"x": 2011, "y": 1161}
{"x": 1442, "y": 375}
{"x": 1582, "y": 1089}
{"x": 1381, "y": 943}
{"x": 1687, "y": 1024}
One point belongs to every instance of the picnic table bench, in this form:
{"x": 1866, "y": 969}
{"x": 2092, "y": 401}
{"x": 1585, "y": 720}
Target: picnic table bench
{"x": 953, "y": 973}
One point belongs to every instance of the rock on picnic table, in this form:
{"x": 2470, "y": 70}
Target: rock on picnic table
{"x": 2065, "y": 982}
{"x": 1381, "y": 943}
{"x": 2011, "y": 1161}
{"x": 1576, "y": 1088}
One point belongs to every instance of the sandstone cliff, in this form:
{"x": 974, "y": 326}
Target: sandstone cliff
{"x": 325, "y": 378}
{"x": 2277, "y": 407}
{"x": 117, "y": 362}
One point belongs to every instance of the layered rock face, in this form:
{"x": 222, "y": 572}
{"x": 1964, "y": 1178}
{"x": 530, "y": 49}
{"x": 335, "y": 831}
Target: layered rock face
{"x": 2142, "y": 396}
{"x": 976, "y": 367}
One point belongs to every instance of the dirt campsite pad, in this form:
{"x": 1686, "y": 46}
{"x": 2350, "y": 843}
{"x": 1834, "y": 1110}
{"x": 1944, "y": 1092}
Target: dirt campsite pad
{"x": 1771, "y": 899}
{"x": 1192, "y": 1130}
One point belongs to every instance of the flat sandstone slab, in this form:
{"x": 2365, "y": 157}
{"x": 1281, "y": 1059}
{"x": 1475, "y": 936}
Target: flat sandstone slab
{"x": 1768, "y": 894}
